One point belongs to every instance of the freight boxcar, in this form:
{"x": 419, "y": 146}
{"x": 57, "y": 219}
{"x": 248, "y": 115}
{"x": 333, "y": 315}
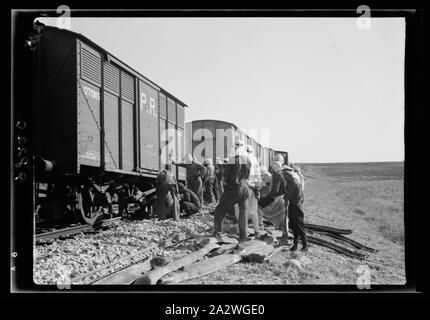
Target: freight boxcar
{"x": 211, "y": 139}
{"x": 214, "y": 138}
{"x": 99, "y": 127}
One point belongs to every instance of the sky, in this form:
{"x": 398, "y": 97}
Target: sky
{"x": 324, "y": 89}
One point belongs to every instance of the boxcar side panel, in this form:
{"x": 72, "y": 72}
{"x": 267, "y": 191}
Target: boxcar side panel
{"x": 127, "y": 120}
{"x": 89, "y": 115}
{"x": 171, "y": 110}
{"x": 164, "y": 155}
{"x": 89, "y": 124}
{"x": 172, "y": 145}
{"x": 149, "y": 135}
{"x": 111, "y": 128}
{"x": 182, "y": 172}
{"x": 225, "y": 134}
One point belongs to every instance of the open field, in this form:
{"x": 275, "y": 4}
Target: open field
{"x": 365, "y": 197}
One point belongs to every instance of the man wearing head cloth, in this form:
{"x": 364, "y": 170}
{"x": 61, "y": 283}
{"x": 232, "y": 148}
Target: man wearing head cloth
{"x": 167, "y": 203}
{"x": 274, "y": 200}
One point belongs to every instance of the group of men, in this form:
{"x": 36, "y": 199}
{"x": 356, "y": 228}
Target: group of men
{"x": 244, "y": 191}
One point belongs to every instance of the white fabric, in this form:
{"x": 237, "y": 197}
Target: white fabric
{"x": 254, "y": 175}
{"x": 274, "y": 212}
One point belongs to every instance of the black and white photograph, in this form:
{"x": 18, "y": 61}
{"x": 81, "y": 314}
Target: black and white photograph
{"x": 172, "y": 148}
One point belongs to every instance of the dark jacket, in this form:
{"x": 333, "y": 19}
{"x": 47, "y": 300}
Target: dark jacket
{"x": 195, "y": 170}
{"x": 277, "y": 189}
{"x": 294, "y": 191}
{"x": 237, "y": 170}
{"x": 278, "y": 185}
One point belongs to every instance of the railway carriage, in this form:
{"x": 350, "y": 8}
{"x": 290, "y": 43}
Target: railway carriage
{"x": 215, "y": 138}
{"x": 99, "y": 127}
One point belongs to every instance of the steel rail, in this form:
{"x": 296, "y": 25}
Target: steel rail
{"x": 316, "y": 227}
{"x": 353, "y": 243}
{"x": 130, "y": 257}
{"x": 72, "y": 230}
{"x": 335, "y": 247}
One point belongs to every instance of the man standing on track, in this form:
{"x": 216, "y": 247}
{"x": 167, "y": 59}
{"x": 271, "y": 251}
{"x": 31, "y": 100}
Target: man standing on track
{"x": 294, "y": 196}
{"x": 236, "y": 190}
{"x": 254, "y": 184}
{"x": 273, "y": 205}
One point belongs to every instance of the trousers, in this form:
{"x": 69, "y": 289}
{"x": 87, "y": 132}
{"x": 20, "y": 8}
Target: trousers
{"x": 208, "y": 194}
{"x": 196, "y": 186}
{"x": 233, "y": 194}
{"x": 296, "y": 223}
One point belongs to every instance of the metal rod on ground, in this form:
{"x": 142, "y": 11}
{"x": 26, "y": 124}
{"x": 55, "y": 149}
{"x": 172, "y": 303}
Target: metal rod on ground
{"x": 335, "y": 247}
{"x": 113, "y": 263}
{"x": 72, "y": 230}
{"x": 353, "y": 243}
{"x": 316, "y": 227}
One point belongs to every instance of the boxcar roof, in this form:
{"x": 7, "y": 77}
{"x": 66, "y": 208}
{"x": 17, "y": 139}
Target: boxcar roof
{"x": 228, "y": 123}
{"x": 85, "y": 39}
{"x": 212, "y": 120}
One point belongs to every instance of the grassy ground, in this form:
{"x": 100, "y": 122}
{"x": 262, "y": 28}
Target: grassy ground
{"x": 364, "y": 197}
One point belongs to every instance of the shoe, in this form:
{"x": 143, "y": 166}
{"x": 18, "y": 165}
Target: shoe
{"x": 304, "y": 248}
{"x": 284, "y": 241}
{"x": 294, "y": 247}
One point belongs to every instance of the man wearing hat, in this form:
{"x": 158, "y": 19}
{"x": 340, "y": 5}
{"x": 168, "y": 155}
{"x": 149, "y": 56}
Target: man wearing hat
{"x": 294, "y": 196}
{"x": 236, "y": 191}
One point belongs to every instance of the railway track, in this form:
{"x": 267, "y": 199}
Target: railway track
{"x": 65, "y": 232}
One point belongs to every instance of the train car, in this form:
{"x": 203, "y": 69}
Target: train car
{"x": 99, "y": 126}
{"x": 284, "y": 154}
{"x": 214, "y": 138}
{"x": 211, "y": 139}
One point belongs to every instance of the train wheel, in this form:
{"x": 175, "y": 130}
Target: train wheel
{"x": 89, "y": 213}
